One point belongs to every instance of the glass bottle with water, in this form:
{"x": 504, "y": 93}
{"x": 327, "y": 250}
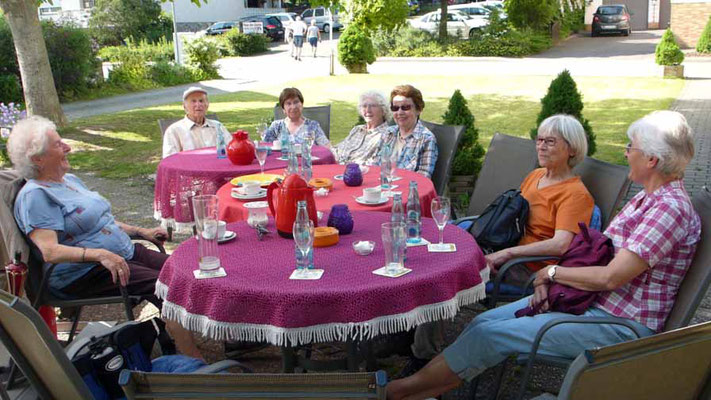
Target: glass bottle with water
{"x": 414, "y": 221}
{"x": 397, "y": 214}
{"x": 293, "y": 166}
{"x": 284, "y": 140}
{"x": 306, "y": 170}
{"x": 221, "y": 145}
{"x": 302, "y": 217}
{"x": 385, "y": 166}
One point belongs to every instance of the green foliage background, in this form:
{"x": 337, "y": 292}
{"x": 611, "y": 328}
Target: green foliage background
{"x": 704, "y": 43}
{"x": 469, "y": 155}
{"x": 531, "y": 14}
{"x": 114, "y": 21}
{"x": 355, "y": 47}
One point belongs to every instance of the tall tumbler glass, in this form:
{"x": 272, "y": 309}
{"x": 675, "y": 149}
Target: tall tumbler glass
{"x": 394, "y": 235}
{"x": 205, "y": 209}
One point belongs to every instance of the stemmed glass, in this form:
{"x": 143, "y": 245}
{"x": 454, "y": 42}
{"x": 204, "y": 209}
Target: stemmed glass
{"x": 391, "y": 172}
{"x": 309, "y": 139}
{"x": 387, "y": 169}
{"x": 261, "y": 129}
{"x": 304, "y": 238}
{"x": 440, "y": 208}
{"x": 260, "y": 150}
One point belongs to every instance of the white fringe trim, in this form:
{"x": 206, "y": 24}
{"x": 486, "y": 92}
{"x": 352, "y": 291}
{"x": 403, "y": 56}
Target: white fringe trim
{"x": 485, "y": 275}
{"x": 278, "y": 336}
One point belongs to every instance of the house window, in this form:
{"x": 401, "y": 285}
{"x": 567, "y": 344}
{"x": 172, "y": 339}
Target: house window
{"x": 87, "y": 3}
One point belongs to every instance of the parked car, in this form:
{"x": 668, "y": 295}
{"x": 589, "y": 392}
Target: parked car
{"x": 286, "y": 18}
{"x": 322, "y": 16}
{"x": 218, "y": 28}
{"x": 492, "y": 5}
{"x": 458, "y": 23}
{"x": 473, "y": 10}
{"x": 271, "y": 25}
{"x": 611, "y": 18}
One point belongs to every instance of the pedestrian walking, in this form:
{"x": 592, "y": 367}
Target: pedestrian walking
{"x": 313, "y": 35}
{"x": 299, "y": 28}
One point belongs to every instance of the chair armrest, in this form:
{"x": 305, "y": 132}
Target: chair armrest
{"x": 221, "y": 366}
{"x": 155, "y": 242}
{"x": 463, "y": 219}
{"x": 516, "y": 262}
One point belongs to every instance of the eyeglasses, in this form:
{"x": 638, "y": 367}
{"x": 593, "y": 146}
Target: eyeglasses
{"x": 549, "y": 141}
{"x": 369, "y": 106}
{"x": 629, "y": 148}
{"x": 404, "y": 107}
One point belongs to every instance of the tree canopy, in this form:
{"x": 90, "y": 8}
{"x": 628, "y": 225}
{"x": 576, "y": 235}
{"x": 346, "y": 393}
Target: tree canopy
{"x": 114, "y": 21}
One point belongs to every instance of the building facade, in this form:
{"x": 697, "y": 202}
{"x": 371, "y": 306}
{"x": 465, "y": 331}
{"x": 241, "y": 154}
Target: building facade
{"x": 191, "y": 18}
{"x": 688, "y": 19}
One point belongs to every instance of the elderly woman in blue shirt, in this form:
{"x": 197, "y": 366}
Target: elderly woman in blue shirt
{"x": 73, "y": 226}
{"x": 413, "y": 146}
{"x": 295, "y": 125}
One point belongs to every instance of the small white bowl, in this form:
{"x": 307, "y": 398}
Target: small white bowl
{"x": 363, "y": 247}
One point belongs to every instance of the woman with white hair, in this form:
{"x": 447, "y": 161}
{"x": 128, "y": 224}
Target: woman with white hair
{"x": 73, "y": 226}
{"x": 362, "y": 143}
{"x": 557, "y": 198}
{"x": 654, "y": 237}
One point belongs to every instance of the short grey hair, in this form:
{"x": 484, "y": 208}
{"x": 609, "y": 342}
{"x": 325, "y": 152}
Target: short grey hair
{"x": 28, "y": 139}
{"x": 379, "y": 98}
{"x": 667, "y": 136}
{"x": 570, "y": 129}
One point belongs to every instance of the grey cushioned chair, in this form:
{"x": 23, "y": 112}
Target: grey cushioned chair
{"x": 354, "y": 385}
{"x": 321, "y": 114}
{"x": 448, "y": 138}
{"x": 163, "y": 124}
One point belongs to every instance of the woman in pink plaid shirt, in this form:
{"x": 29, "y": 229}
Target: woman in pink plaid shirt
{"x": 654, "y": 236}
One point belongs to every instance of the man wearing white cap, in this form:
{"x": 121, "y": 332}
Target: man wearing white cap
{"x": 194, "y": 131}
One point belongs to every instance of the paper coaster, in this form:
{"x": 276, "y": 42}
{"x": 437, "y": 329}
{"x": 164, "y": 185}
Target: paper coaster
{"x": 391, "y": 193}
{"x": 217, "y": 273}
{"x": 396, "y": 178}
{"x": 441, "y": 248}
{"x": 307, "y": 274}
{"x": 382, "y": 272}
{"x": 422, "y": 242}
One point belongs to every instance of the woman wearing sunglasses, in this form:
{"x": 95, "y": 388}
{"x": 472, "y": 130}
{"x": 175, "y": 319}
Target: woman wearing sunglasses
{"x": 413, "y": 146}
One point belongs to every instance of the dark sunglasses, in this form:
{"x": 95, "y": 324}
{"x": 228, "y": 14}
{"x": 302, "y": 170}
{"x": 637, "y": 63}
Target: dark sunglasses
{"x": 404, "y": 107}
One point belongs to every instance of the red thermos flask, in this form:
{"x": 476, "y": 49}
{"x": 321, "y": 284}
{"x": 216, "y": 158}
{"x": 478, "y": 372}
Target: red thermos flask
{"x": 16, "y": 273}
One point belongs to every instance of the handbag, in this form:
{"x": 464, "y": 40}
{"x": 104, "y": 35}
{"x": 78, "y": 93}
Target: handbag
{"x": 589, "y": 247}
{"x": 502, "y": 223}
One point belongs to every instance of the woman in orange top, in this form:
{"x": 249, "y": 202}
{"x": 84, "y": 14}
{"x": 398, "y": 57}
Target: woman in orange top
{"x": 557, "y": 198}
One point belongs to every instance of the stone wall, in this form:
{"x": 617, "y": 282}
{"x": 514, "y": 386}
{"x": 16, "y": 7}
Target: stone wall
{"x": 688, "y": 19}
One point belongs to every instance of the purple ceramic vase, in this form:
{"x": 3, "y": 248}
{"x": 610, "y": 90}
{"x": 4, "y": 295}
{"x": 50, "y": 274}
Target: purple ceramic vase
{"x": 352, "y": 176}
{"x": 341, "y": 219}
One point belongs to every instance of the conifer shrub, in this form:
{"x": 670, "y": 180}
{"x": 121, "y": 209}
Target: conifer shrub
{"x": 467, "y": 161}
{"x": 704, "y": 43}
{"x": 667, "y": 51}
{"x": 355, "y": 49}
{"x": 563, "y": 97}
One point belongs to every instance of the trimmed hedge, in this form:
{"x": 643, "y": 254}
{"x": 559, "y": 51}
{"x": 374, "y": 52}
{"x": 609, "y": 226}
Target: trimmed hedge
{"x": 159, "y": 51}
{"x": 241, "y": 44}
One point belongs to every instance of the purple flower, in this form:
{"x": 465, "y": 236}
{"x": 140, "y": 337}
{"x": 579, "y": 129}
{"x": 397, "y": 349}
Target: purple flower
{"x": 10, "y": 114}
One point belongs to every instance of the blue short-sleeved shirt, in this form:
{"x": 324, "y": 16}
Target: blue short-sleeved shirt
{"x": 80, "y": 217}
{"x": 274, "y": 132}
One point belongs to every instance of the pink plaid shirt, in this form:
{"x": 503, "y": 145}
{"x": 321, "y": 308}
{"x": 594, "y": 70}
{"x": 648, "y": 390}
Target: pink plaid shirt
{"x": 663, "y": 229}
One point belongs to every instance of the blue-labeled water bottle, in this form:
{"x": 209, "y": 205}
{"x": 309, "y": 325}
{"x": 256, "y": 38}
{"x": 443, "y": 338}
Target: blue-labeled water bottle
{"x": 414, "y": 217}
{"x": 221, "y": 145}
{"x": 302, "y": 217}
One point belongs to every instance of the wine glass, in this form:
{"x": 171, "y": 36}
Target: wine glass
{"x": 391, "y": 172}
{"x": 309, "y": 139}
{"x": 261, "y": 150}
{"x": 304, "y": 238}
{"x": 386, "y": 169}
{"x": 261, "y": 129}
{"x": 440, "y": 208}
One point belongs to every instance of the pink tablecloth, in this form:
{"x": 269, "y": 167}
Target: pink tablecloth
{"x": 232, "y": 209}
{"x": 201, "y": 172}
{"x": 257, "y": 301}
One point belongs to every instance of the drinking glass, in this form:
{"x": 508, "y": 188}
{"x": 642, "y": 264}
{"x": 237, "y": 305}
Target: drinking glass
{"x": 440, "y": 208}
{"x": 394, "y": 237}
{"x": 393, "y": 169}
{"x": 261, "y": 129}
{"x": 309, "y": 139}
{"x": 387, "y": 169}
{"x": 260, "y": 150}
{"x": 205, "y": 209}
{"x": 304, "y": 238}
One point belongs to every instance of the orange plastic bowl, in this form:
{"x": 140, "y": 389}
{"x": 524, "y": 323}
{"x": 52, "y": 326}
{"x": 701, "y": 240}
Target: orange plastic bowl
{"x": 325, "y": 236}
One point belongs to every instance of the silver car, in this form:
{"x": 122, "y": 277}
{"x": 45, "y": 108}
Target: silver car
{"x": 322, "y": 16}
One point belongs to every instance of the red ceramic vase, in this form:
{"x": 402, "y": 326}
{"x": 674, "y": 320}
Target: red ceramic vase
{"x": 240, "y": 150}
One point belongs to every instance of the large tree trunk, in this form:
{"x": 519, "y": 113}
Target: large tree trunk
{"x": 443, "y": 21}
{"x": 37, "y": 81}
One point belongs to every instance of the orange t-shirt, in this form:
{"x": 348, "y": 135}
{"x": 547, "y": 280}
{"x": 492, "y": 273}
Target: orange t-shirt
{"x": 556, "y": 207}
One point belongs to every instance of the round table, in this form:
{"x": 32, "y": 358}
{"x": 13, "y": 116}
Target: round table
{"x": 258, "y": 302}
{"x": 187, "y": 173}
{"x": 232, "y": 210}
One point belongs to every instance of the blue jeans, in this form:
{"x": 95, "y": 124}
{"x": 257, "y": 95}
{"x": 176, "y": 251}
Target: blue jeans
{"x": 494, "y": 335}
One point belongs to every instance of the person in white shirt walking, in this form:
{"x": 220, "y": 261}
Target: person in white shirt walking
{"x": 299, "y": 28}
{"x": 313, "y": 35}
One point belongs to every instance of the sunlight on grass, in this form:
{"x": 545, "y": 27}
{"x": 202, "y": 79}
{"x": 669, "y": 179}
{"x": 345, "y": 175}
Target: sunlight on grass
{"x": 500, "y": 104}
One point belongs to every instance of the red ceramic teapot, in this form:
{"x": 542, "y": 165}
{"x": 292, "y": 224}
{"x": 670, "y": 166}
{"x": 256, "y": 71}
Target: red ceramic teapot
{"x": 290, "y": 192}
{"x": 240, "y": 150}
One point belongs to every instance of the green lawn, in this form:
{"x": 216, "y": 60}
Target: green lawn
{"x": 129, "y": 143}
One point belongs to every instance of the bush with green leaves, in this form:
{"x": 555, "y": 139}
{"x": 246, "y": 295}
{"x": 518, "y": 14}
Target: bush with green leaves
{"x": 531, "y": 14}
{"x": 74, "y": 64}
{"x": 162, "y": 50}
{"x": 132, "y": 73}
{"x": 114, "y": 21}
{"x": 167, "y": 73}
{"x": 563, "y": 97}
{"x": 241, "y": 44}
{"x": 571, "y": 21}
{"x": 704, "y": 43}
{"x": 407, "y": 41}
{"x": 467, "y": 161}
{"x": 202, "y": 53}
{"x": 10, "y": 88}
{"x": 667, "y": 51}
{"x": 513, "y": 43}
{"x": 355, "y": 49}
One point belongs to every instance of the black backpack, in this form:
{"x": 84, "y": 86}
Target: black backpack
{"x": 502, "y": 223}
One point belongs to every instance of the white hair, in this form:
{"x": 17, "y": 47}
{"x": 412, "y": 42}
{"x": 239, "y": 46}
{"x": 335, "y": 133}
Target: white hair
{"x": 28, "y": 139}
{"x": 570, "y": 129}
{"x": 666, "y": 136}
{"x": 379, "y": 99}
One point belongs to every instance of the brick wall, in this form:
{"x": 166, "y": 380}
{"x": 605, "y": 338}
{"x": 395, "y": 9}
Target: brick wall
{"x": 688, "y": 20}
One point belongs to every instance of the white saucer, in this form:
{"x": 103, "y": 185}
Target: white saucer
{"x": 229, "y": 235}
{"x": 259, "y": 195}
{"x": 361, "y": 200}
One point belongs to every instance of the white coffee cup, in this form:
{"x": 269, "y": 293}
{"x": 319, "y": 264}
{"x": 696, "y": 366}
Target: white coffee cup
{"x": 251, "y": 187}
{"x": 372, "y": 194}
{"x": 221, "y": 229}
{"x": 276, "y": 145}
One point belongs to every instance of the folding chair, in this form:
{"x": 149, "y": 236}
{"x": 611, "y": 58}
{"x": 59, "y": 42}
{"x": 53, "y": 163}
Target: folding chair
{"x": 321, "y": 114}
{"x": 354, "y": 385}
{"x": 448, "y": 138}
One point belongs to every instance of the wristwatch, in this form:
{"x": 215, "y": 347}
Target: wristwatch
{"x": 551, "y": 272}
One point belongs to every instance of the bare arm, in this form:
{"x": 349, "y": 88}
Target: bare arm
{"x": 148, "y": 234}
{"x": 555, "y": 246}
{"x": 53, "y": 252}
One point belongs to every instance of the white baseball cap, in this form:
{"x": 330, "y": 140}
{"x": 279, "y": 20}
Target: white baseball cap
{"x": 193, "y": 89}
